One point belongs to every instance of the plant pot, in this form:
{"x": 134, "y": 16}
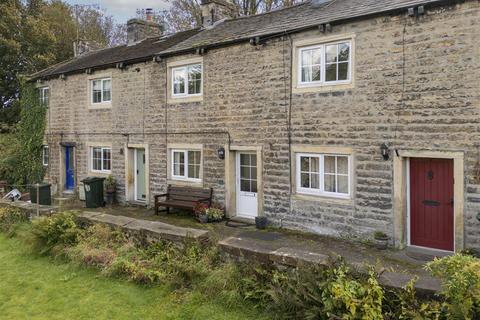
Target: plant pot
{"x": 381, "y": 243}
{"x": 202, "y": 218}
{"x": 261, "y": 222}
{"x": 110, "y": 197}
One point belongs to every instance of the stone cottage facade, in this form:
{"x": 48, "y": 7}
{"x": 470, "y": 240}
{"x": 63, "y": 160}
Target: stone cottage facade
{"x": 337, "y": 117}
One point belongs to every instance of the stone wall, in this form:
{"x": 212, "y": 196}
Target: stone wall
{"x": 415, "y": 87}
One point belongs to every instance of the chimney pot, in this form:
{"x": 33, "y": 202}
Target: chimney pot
{"x": 149, "y": 14}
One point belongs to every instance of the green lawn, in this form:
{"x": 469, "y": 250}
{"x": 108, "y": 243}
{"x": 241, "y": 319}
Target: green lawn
{"x": 38, "y": 288}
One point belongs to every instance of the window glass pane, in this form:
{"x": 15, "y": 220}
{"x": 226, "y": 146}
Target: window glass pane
{"x": 306, "y": 74}
{"x": 305, "y": 180}
{"x": 253, "y": 172}
{"x": 253, "y": 185}
{"x": 178, "y": 163}
{"x": 245, "y": 185}
{"x": 342, "y": 184}
{"x": 97, "y": 91}
{"x": 194, "y": 157}
{"x": 329, "y": 183}
{"x": 331, "y": 72}
{"x": 331, "y": 53}
{"x": 306, "y": 57}
{"x": 193, "y": 171}
{"x": 97, "y": 158}
{"x": 315, "y": 164}
{"x": 245, "y": 172}
{"x": 244, "y": 159}
{"x": 329, "y": 165}
{"x": 253, "y": 160}
{"x": 45, "y": 155}
{"x": 315, "y": 181}
{"x": 107, "y": 89}
{"x": 107, "y": 159}
{"x": 342, "y": 165}
{"x": 316, "y": 73}
{"x": 179, "y": 81}
{"x": 194, "y": 79}
{"x": 343, "y": 71}
{"x": 343, "y": 51}
{"x": 304, "y": 163}
{"x": 316, "y": 56}
{"x": 46, "y": 97}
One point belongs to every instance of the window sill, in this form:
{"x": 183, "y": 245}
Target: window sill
{"x": 323, "y": 198}
{"x": 185, "y": 99}
{"x": 322, "y": 87}
{"x": 100, "y": 106}
{"x": 99, "y": 173}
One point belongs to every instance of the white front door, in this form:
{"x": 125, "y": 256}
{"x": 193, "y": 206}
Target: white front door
{"x": 140, "y": 180}
{"x": 247, "y": 194}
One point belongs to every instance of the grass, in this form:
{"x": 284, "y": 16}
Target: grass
{"x": 33, "y": 287}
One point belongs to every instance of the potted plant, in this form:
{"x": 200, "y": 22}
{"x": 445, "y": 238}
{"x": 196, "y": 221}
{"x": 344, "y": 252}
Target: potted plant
{"x": 261, "y": 222}
{"x": 110, "y": 189}
{"x": 215, "y": 213}
{"x": 200, "y": 211}
{"x": 381, "y": 239}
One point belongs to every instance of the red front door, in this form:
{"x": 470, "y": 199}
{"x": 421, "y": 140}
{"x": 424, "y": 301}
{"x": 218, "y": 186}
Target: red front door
{"x": 431, "y": 203}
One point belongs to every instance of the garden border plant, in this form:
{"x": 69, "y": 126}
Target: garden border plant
{"x": 335, "y": 291}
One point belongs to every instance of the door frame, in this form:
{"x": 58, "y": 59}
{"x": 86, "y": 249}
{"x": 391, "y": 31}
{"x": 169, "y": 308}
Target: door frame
{"x": 231, "y": 178}
{"x": 135, "y": 178}
{"x": 130, "y": 176}
{"x": 63, "y": 168}
{"x": 237, "y": 183}
{"x": 401, "y": 188}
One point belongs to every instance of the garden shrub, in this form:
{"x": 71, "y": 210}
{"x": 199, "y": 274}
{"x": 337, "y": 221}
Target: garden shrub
{"x": 55, "y": 233}
{"x": 460, "y": 275}
{"x": 10, "y": 218}
{"x": 97, "y": 246}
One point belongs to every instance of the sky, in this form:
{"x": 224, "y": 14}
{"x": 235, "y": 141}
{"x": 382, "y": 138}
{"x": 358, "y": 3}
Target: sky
{"x": 122, "y": 10}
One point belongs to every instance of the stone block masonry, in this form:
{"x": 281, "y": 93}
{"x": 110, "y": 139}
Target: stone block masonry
{"x": 415, "y": 87}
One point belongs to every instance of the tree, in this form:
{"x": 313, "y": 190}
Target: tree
{"x": 187, "y": 14}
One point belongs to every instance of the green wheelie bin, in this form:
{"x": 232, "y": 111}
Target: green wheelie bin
{"x": 93, "y": 192}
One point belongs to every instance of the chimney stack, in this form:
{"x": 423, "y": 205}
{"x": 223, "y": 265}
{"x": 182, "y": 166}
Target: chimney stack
{"x": 216, "y": 10}
{"x": 139, "y": 29}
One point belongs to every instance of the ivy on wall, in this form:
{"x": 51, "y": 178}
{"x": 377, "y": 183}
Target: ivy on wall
{"x": 23, "y": 165}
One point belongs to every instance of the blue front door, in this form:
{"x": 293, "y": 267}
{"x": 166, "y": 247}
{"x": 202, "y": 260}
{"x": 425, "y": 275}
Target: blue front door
{"x": 69, "y": 169}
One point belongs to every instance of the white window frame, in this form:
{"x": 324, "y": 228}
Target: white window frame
{"x": 184, "y": 68}
{"x": 102, "y": 159}
{"x": 41, "y": 93}
{"x": 322, "y": 81}
{"x": 185, "y": 171}
{"x": 102, "y": 80}
{"x": 45, "y": 154}
{"x": 321, "y": 191}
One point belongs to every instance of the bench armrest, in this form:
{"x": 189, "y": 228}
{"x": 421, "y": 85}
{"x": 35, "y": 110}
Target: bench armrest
{"x": 160, "y": 195}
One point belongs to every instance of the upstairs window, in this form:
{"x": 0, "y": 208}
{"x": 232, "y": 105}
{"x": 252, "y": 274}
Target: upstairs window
{"x": 186, "y": 164}
{"x": 101, "y": 159}
{"x": 325, "y": 64}
{"x": 45, "y": 155}
{"x": 44, "y": 96}
{"x": 187, "y": 80}
{"x": 323, "y": 174}
{"x": 101, "y": 90}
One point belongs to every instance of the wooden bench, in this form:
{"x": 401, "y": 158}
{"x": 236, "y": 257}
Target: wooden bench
{"x": 183, "y": 198}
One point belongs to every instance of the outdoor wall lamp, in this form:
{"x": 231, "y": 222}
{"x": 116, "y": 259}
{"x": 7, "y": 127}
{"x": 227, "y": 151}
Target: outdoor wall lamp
{"x": 221, "y": 153}
{"x": 385, "y": 151}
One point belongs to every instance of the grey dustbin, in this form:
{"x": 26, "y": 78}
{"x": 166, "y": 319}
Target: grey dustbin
{"x": 44, "y": 196}
{"x": 93, "y": 192}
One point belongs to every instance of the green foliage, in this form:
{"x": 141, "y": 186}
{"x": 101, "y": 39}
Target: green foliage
{"x": 215, "y": 213}
{"x": 10, "y": 218}
{"x": 8, "y": 159}
{"x": 30, "y": 131}
{"x": 460, "y": 275}
{"x": 54, "y": 233}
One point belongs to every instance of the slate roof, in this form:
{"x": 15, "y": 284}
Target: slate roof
{"x": 302, "y": 16}
{"x": 305, "y": 15}
{"x": 104, "y": 58}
